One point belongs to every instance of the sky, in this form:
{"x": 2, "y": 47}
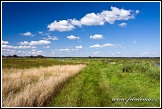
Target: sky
{"x": 81, "y": 29}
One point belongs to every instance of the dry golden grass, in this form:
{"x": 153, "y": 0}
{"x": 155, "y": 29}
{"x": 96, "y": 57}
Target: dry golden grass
{"x": 32, "y": 87}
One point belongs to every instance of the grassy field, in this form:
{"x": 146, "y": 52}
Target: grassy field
{"x": 37, "y": 62}
{"x": 104, "y": 82}
{"x": 34, "y": 86}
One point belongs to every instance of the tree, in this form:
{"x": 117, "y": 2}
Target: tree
{"x": 40, "y": 56}
{"x": 31, "y": 56}
{"x": 15, "y": 56}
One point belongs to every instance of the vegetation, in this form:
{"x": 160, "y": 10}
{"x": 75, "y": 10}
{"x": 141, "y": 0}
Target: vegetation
{"x": 104, "y": 82}
{"x": 34, "y": 86}
{"x": 37, "y": 62}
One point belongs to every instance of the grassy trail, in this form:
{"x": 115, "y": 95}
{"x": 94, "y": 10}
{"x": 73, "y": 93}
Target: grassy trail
{"x": 99, "y": 83}
{"x": 83, "y": 90}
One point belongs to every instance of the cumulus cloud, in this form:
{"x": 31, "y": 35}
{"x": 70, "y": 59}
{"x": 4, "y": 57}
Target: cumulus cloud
{"x": 96, "y": 36}
{"x": 51, "y": 38}
{"x": 16, "y": 47}
{"x": 102, "y": 46}
{"x": 5, "y": 42}
{"x": 27, "y": 34}
{"x": 90, "y": 19}
{"x": 23, "y": 43}
{"x": 62, "y": 25}
{"x": 21, "y": 52}
{"x": 123, "y": 24}
{"x": 8, "y": 50}
{"x": 32, "y": 43}
{"x": 78, "y": 47}
{"x": 40, "y": 42}
{"x": 75, "y": 22}
{"x": 8, "y": 46}
{"x": 72, "y": 37}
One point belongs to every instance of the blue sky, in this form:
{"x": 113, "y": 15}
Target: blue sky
{"x": 108, "y": 29}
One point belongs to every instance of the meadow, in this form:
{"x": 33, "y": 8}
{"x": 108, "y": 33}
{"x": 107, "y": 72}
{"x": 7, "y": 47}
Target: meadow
{"x": 81, "y": 82}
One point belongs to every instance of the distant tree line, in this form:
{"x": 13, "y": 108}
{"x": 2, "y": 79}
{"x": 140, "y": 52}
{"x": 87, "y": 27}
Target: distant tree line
{"x": 16, "y": 56}
{"x": 40, "y": 56}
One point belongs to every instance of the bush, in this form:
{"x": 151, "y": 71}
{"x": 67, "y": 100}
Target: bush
{"x": 128, "y": 69}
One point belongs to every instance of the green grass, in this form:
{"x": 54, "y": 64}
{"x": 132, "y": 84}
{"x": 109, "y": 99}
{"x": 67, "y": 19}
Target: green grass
{"x": 36, "y": 62}
{"x": 99, "y": 83}
{"x": 102, "y": 81}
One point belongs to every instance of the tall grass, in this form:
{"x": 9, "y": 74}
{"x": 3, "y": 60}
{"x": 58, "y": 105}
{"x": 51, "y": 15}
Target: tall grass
{"x": 33, "y": 87}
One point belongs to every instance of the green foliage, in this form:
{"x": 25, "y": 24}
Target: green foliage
{"x": 36, "y": 62}
{"x": 102, "y": 81}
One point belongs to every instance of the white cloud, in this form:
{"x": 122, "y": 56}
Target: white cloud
{"x": 66, "y": 49}
{"x": 23, "y": 43}
{"x": 78, "y": 47}
{"x": 102, "y": 46}
{"x": 72, "y": 37}
{"x": 51, "y": 38}
{"x": 117, "y": 14}
{"x": 32, "y": 43}
{"x": 25, "y": 47}
{"x": 75, "y": 22}
{"x": 96, "y": 36}
{"x": 107, "y": 45}
{"x": 16, "y": 47}
{"x": 40, "y": 32}
{"x": 21, "y": 52}
{"x": 8, "y": 50}
{"x": 134, "y": 42}
{"x": 109, "y": 16}
{"x": 27, "y": 34}
{"x": 92, "y": 19}
{"x": 46, "y": 47}
{"x": 62, "y": 25}
{"x": 137, "y": 12}
{"x": 34, "y": 52}
{"x": 95, "y": 46}
{"x": 40, "y": 42}
{"x": 122, "y": 14}
{"x": 8, "y": 47}
{"x": 5, "y": 42}
{"x": 123, "y": 24}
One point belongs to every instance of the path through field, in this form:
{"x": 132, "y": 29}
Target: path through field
{"x": 98, "y": 84}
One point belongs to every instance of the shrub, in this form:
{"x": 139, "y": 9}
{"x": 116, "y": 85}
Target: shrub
{"x": 128, "y": 69}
